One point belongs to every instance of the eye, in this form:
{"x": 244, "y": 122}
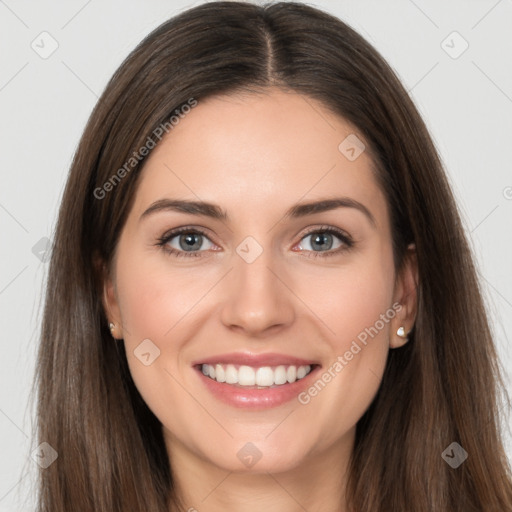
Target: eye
{"x": 189, "y": 242}
{"x": 323, "y": 239}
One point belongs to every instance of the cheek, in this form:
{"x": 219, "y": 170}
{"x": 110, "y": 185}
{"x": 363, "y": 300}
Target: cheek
{"x": 154, "y": 303}
{"x": 356, "y": 305}
{"x": 358, "y": 312}
{"x": 154, "y": 297}
{"x": 161, "y": 304}
{"x": 365, "y": 302}
{"x": 351, "y": 300}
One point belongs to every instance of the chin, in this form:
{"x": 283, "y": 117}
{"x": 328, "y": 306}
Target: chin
{"x": 257, "y": 457}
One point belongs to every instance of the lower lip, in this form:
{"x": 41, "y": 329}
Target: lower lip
{"x": 252, "y": 398}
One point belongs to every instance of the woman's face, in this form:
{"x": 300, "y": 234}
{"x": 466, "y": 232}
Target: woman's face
{"x": 269, "y": 292}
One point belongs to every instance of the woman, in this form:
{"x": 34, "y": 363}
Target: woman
{"x": 260, "y": 294}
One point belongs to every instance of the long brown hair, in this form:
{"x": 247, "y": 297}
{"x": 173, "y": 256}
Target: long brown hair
{"x": 443, "y": 386}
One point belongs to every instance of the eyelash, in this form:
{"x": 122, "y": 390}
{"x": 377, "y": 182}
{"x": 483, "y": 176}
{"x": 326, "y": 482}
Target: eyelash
{"x": 164, "y": 240}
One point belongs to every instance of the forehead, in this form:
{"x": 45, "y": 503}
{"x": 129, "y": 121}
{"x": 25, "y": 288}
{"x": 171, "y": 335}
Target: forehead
{"x": 259, "y": 152}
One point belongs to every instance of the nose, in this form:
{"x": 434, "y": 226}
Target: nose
{"x": 257, "y": 299}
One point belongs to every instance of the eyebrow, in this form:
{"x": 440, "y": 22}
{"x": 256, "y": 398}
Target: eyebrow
{"x": 214, "y": 211}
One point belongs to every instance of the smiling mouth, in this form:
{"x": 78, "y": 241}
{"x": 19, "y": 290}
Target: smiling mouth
{"x": 249, "y": 377}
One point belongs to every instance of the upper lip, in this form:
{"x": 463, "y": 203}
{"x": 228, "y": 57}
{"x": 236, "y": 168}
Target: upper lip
{"x": 255, "y": 360}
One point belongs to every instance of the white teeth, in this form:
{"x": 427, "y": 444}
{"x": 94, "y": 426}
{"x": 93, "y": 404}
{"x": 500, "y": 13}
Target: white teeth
{"x": 264, "y": 376}
{"x": 220, "y": 374}
{"x": 301, "y": 372}
{"x": 280, "y": 375}
{"x": 246, "y": 376}
{"x": 291, "y": 374}
{"x": 231, "y": 374}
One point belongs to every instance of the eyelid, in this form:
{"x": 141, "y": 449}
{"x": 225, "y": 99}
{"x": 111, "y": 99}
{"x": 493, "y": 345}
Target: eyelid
{"x": 324, "y": 228}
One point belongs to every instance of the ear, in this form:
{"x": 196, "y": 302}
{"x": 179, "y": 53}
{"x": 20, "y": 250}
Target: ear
{"x": 406, "y": 294}
{"x": 107, "y": 288}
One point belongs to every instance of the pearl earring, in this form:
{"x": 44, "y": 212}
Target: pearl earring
{"x": 401, "y": 332}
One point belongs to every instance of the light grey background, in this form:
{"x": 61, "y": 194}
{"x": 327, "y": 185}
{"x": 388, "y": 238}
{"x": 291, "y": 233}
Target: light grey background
{"x": 465, "y": 99}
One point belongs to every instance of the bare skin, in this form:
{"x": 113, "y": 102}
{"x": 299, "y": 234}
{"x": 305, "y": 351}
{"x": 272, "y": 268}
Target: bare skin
{"x": 256, "y": 156}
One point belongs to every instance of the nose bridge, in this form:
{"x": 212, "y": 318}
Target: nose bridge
{"x": 256, "y": 299}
